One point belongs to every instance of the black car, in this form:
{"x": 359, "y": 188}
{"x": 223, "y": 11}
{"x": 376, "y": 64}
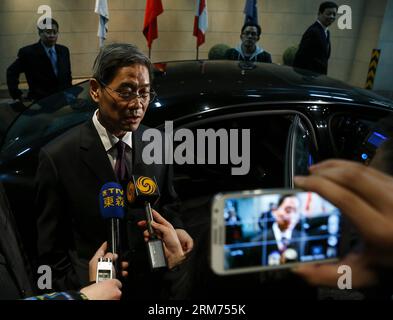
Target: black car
{"x": 295, "y": 118}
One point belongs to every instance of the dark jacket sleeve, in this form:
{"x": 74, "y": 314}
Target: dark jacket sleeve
{"x": 13, "y": 73}
{"x": 68, "y": 62}
{"x": 308, "y": 56}
{"x": 68, "y": 295}
{"x": 302, "y": 54}
{"x": 16, "y": 278}
{"x": 54, "y": 238}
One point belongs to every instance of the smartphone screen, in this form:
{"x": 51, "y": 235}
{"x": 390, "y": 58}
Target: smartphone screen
{"x": 273, "y": 230}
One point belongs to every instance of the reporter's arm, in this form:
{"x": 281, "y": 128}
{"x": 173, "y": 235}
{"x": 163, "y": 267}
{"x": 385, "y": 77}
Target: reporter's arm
{"x": 13, "y": 73}
{"x": 102, "y": 253}
{"x": 104, "y": 290}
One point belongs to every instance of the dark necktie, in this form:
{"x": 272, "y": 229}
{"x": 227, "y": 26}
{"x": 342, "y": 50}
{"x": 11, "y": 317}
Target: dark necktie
{"x": 285, "y": 243}
{"x": 120, "y": 167}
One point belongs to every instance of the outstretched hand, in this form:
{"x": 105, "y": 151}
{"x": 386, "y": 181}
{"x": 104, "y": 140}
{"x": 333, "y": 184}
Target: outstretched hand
{"x": 165, "y": 231}
{"x": 363, "y": 194}
{"x": 102, "y": 253}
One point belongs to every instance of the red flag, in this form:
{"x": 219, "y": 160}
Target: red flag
{"x": 153, "y": 10}
{"x": 200, "y": 21}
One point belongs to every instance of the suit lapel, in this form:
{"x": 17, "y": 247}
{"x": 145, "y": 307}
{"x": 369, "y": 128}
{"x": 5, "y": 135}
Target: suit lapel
{"x": 328, "y": 44}
{"x": 322, "y": 33}
{"x": 95, "y": 157}
{"x": 93, "y": 153}
{"x": 45, "y": 59}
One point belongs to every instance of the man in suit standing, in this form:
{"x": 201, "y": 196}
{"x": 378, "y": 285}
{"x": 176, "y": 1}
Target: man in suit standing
{"x": 73, "y": 168}
{"x": 248, "y": 50}
{"x": 315, "y": 48}
{"x": 46, "y": 65}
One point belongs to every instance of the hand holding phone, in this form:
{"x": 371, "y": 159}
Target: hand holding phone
{"x": 269, "y": 229}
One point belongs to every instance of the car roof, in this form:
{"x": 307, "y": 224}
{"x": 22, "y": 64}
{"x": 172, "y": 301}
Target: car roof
{"x": 191, "y": 88}
{"x": 258, "y": 81}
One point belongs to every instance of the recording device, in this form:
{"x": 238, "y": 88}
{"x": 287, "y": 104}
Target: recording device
{"x": 104, "y": 269}
{"x": 111, "y": 200}
{"x": 141, "y": 192}
{"x": 263, "y": 230}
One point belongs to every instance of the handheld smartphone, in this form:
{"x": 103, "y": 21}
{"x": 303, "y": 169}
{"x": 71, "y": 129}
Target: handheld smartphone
{"x": 270, "y": 229}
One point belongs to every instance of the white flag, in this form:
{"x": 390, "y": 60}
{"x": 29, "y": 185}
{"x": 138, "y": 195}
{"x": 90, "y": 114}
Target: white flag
{"x": 102, "y": 10}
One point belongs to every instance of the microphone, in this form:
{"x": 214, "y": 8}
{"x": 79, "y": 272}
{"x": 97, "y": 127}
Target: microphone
{"x": 141, "y": 192}
{"x": 111, "y": 200}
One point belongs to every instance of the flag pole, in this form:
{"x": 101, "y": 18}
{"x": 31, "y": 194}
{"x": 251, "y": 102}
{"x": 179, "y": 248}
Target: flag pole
{"x": 197, "y": 52}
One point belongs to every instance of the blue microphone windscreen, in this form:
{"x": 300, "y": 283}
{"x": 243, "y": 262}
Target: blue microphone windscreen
{"x": 111, "y": 200}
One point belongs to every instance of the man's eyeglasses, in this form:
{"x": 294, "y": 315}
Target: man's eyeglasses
{"x": 250, "y": 33}
{"x": 49, "y": 32}
{"x": 128, "y": 95}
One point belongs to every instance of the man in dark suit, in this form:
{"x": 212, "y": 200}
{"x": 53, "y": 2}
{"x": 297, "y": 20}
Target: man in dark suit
{"x": 248, "y": 50}
{"x": 73, "y": 168}
{"x": 46, "y": 65}
{"x": 281, "y": 240}
{"x": 315, "y": 48}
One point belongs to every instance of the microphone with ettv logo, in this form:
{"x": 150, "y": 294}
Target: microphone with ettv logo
{"x": 111, "y": 200}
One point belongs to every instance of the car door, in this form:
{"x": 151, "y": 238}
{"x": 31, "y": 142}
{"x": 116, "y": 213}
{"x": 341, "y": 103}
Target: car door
{"x": 270, "y": 133}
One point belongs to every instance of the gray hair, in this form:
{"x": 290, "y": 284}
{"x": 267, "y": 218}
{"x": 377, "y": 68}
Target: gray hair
{"x": 117, "y": 55}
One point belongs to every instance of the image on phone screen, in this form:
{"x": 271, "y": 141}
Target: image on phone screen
{"x": 278, "y": 229}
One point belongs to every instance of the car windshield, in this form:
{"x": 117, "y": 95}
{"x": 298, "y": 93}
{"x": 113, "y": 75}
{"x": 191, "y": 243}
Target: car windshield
{"x": 48, "y": 118}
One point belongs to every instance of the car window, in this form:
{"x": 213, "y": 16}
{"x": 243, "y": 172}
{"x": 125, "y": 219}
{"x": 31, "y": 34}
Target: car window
{"x": 268, "y": 147}
{"x": 48, "y": 118}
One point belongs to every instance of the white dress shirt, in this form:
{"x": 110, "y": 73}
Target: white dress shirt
{"x": 109, "y": 142}
{"x": 324, "y": 28}
{"x": 279, "y": 235}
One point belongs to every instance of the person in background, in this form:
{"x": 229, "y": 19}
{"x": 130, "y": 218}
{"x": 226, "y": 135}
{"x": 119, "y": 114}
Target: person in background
{"x": 46, "y": 65}
{"x": 248, "y": 50}
{"x": 315, "y": 47}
